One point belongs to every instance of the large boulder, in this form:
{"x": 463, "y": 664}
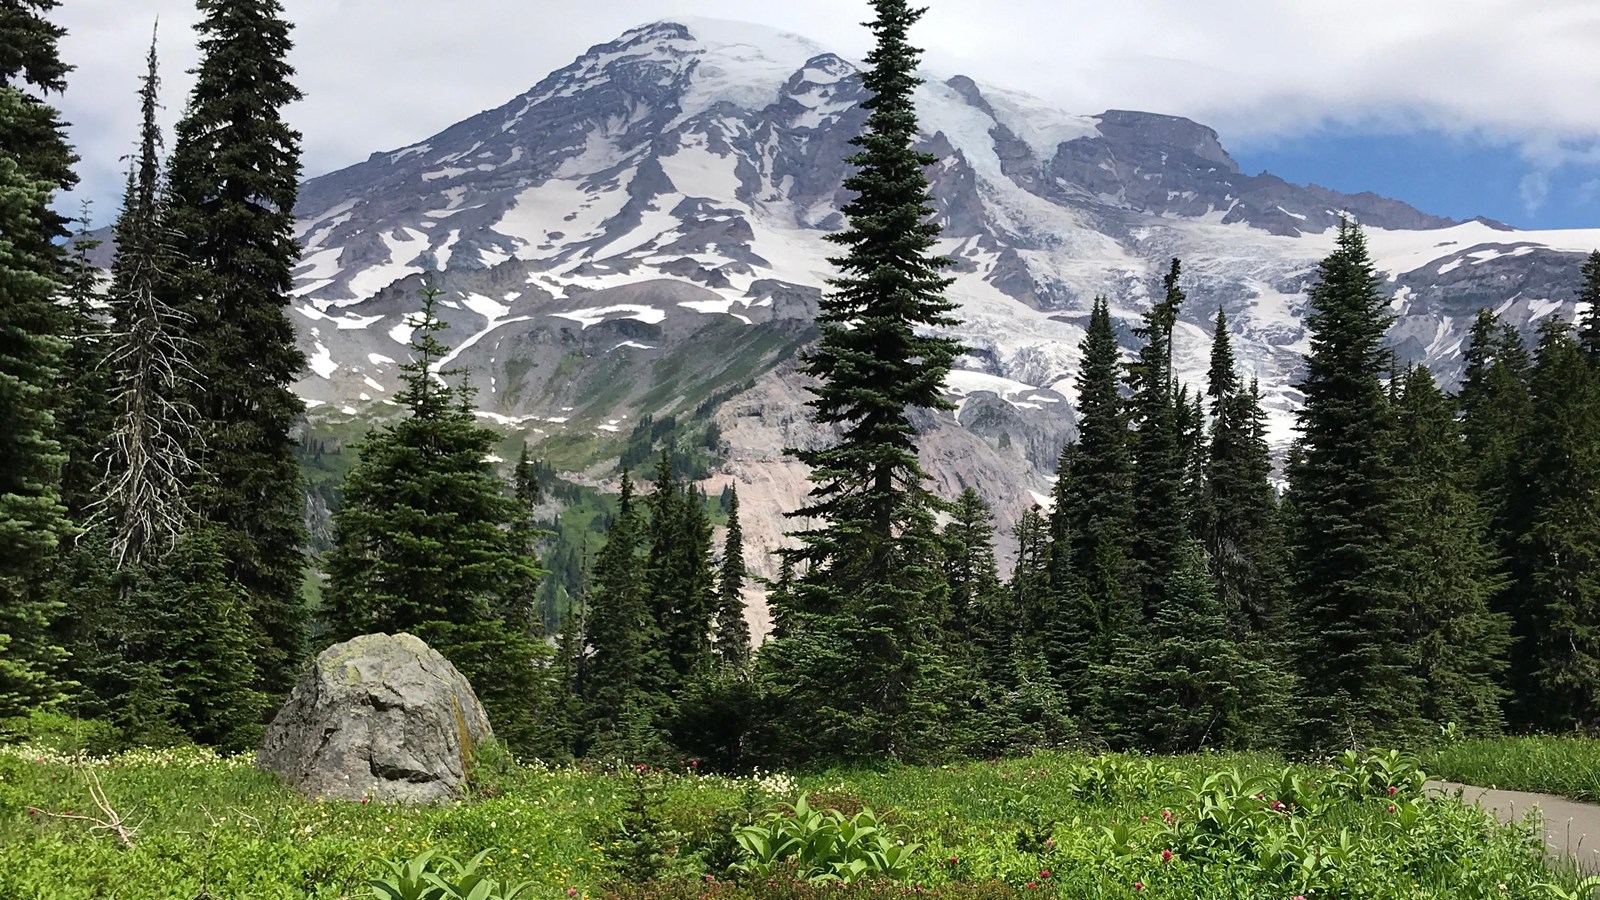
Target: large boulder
{"x": 379, "y": 716}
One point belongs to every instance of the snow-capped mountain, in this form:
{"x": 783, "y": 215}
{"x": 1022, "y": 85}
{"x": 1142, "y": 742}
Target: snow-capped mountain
{"x": 642, "y": 232}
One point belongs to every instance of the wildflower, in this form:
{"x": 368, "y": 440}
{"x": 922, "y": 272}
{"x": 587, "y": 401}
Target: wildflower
{"x": 1138, "y": 885}
{"x": 1050, "y": 842}
{"x": 573, "y": 892}
{"x": 1166, "y": 856}
{"x": 1032, "y": 885}
{"x": 1393, "y": 790}
{"x": 1391, "y": 807}
{"x": 1044, "y": 874}
{"x": 952, "y": 860}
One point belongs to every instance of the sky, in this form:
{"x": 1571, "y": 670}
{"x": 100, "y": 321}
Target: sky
{"x": 1461, "y": 107}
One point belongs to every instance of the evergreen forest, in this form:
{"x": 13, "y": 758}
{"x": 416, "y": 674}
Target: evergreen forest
{"x": 1425, "y": 557}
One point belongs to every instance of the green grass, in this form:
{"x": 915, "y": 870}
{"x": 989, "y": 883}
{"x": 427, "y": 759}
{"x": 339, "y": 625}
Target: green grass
{"x": 1097, "y": 825}
{"x": 1543, "y": 764}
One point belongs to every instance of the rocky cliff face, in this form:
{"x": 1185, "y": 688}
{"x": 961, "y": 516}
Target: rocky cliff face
{"x": 642, "y": 232}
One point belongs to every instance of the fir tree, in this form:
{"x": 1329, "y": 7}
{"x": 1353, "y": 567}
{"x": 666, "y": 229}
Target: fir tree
{"x": 1094, "y": 513}
{"x": 1496, "y": 407}
{"x": 521, "y": 610}
{"x": 732, "y": 629}
{"x": 617, "y": 623}
{"x": 1032, "y": 600}
{"x": 680, "y": 585}
{"x": 1356, "y": 665}
{"x": 1239, "y": 510}
{"x": 873, "y": 564}
{"x": 424, "y": 543}
{"x": 85, "y": 413}
{"x": 35, "y": 137}
{"x": 1191, "y": 685}
{"x": 199, "y": 646}
{"x": 32, "y": 519}
{"x": 1459, "y": 645}
{"x": 1159, "y": 459}
{"x": 1589, "y": 295}
{"x": 234, "y": 175}
{"x": 1556, "y": 594}
{"x": 971, "y": 571}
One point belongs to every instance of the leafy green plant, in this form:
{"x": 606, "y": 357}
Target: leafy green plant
{"x": 413, "y": 879}
{"x": 1389, "y": 774}
{"x": 824, "y": 845}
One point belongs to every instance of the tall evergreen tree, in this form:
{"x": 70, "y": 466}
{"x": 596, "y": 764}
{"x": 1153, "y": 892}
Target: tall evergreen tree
{"x": 1095, "y": 509}
{"x": 1458, "y": 643}
{"x": 972, "y": 572}
{"x": 1359, "y": 683}
{"x": 1159, "y": 524}
{"x": 85, "y": 413}
{"x": 680, "y": 585}
{"x": 234, "y": 172}
{"x": 1589, "y": 295}
{"x": 617, "y": 624}
{"x": 522, "y": 609}
{"x": 34, "y": 137}
{"x": 1496, "y": 408}
{"x": 873, "y": 562}
{"x": 1556, "y": 594}
{"x": 35, "y": 163}
{"x": 1239, "y": 509}
{"x": 733, "y": 629}
{"x": 32, "y": 520}
{"x": 424, "y": 543}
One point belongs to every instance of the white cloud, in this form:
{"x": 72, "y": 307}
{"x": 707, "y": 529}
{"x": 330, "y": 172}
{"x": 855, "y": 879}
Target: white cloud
{"x": 379, "y": 74}
{"x": 1535, "y": 189}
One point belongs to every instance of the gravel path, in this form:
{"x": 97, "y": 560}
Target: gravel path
{"x": 1572, "y": 829}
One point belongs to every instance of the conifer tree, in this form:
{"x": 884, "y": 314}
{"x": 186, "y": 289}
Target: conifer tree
{"x": 1556, "y": 594}
{"x": 85, "y": 414}
{"x": 1589, "y": 332}
{"x": 617, "y": 624}
{"x": 1496, "y": 407}
{"x": 1159, "y": 459}
{"x": 1458, "y": 643}
{"x": 522, "y": 610}
{"x": 1191, "y": 685}
{"x": 972, "y": 572}
{"x": 1032, "y": 600}
{"x": 234, "y": 175}
{"x": 1094, "y": 507}
{"x": 873, "y": 563}
{"x": 1239, "y": 510}
{"x": 35, "y": 137}
{"x": 733, "y": 630}
{"x": 144, "y": 495}
{"x": 679, "y": 583}
{"x": 35, "y": 163}
{"x": 1356, "y": 667}
{"x": 424, "y": 543}
{"x": 1192, "y": 438}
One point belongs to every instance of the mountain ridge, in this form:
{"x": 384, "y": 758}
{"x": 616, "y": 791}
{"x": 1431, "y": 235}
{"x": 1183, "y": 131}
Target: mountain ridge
{"x": 647, "y": 222}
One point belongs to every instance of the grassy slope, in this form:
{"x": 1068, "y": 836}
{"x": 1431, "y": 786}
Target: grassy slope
{"x": 1096, "y": 827}
{"x": 1564, "y": 766}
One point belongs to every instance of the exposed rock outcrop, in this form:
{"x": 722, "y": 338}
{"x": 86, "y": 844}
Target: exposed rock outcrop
{"x": 379, "y": 716}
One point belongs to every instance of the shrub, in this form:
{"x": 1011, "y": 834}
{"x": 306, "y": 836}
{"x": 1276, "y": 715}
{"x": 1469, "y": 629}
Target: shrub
{"x": 823, "y": 845}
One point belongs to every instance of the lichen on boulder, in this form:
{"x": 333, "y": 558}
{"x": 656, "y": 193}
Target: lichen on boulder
{"x": 380, "y": 716}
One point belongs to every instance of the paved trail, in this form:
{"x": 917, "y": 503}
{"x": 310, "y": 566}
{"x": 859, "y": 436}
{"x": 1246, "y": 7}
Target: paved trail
{"x": 1572, "y": 829}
